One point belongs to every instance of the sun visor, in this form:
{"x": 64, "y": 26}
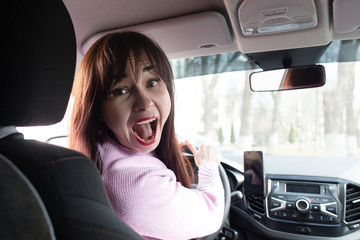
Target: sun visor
{"x": 197, "y": 31}
{"x": 346, "y": 15}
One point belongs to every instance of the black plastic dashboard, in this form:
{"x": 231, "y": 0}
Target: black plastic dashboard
{"x": 298, "y": 206}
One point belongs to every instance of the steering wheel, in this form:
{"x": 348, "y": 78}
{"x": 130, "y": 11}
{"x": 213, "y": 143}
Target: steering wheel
{"x": 227, "y": 195}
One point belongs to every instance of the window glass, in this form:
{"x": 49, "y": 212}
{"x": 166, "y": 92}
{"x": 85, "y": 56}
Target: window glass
{"x": 214, "y": 105}
{"x": 220, "y": 109}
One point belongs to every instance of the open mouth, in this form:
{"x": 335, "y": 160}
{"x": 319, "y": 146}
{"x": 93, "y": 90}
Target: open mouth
{"x": 144, "y": 130}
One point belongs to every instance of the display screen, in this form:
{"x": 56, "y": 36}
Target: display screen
{"x": 300, "y": 188}
{"x": 253, "y": 174}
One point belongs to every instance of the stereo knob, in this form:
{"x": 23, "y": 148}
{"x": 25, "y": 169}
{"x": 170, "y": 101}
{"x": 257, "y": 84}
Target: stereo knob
{"x": 303, "y": 205}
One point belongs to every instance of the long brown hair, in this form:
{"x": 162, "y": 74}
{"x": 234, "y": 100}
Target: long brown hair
{"x": 92, "y": 84}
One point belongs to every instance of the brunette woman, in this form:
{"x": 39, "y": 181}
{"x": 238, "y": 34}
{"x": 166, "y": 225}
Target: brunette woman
{"x": 123, "y": 118}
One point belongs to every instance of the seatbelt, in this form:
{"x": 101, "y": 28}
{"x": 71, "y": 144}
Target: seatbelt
{"x": 7, "y": 131}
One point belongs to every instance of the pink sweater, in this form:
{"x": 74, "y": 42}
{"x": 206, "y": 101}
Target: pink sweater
{"x": 146, "y": 195}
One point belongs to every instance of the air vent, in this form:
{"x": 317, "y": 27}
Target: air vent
{"x": 352, "y": 212}
{"x": 257, "y": 204}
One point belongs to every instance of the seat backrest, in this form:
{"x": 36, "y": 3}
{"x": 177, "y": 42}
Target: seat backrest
{"x": 37, "y": 65}
{"x": 23, "y": 214}
{"x": 70, "y": 187}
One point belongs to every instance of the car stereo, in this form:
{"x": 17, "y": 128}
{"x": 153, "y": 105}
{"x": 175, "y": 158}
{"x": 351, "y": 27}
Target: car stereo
{"x": 307, "y": 202}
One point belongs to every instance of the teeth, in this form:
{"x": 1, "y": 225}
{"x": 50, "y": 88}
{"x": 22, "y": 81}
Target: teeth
{"x": 147, "y": 121}
{"x": 151, "y": 138}
{"x": 145, "y": 130}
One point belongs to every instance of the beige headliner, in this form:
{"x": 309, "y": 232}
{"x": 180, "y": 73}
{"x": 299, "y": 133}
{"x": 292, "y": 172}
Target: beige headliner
{"x": 91, "y": 17}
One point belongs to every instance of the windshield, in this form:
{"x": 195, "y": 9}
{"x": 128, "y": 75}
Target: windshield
{"x": 220, "y": 108}
{"x": 214, "y": 105}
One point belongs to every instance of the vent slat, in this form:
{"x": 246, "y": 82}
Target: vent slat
{"x": 257, "y": 205}
{"x": 355, "y": 195}
{"x": 352, "y": 212}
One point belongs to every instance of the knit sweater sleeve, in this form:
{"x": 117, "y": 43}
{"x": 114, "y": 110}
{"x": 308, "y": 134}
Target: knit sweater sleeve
{"x": 150, "y": 200}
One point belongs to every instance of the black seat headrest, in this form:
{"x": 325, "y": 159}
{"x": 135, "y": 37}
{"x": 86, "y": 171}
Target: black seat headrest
{"x": 37, "y": 62}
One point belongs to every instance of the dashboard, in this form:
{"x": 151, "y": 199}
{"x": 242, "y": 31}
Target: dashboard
{"x": 298, "y": 198}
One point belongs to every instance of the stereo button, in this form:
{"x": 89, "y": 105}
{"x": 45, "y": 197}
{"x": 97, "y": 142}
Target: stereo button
{"x": 315, "y": 207}
{"x": 275, "y": 204}
{"x": 290, "y": 205}
{"x": 303, "y": 205}
{"x": 331, "y": 209}
{"x": 294, "y": 214}
{"x": 280, "y": 196}
{"x": 323, "y": 218}
{"x": 303, "y": 229}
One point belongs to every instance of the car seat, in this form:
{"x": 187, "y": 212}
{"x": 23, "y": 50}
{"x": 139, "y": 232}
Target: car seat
{"x": 46, "y": 191}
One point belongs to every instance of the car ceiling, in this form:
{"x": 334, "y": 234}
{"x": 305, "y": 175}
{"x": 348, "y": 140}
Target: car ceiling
{"x": 94, "y": 18}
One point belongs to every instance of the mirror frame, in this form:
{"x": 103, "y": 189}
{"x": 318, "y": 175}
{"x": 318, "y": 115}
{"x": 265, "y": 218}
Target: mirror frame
{"x": 301, "y": 77}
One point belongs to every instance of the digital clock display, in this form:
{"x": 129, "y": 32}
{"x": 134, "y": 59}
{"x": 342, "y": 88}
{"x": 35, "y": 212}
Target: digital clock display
{"x": 301, "y": 188}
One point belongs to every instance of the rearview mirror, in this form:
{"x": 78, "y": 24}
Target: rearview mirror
{"x": 288, "y": 78}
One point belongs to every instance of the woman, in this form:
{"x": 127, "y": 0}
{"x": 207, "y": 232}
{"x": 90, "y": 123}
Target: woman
{"x": 123, "y": 117}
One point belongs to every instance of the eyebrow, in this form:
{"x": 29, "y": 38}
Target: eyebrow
{"x": 148, "y": 68}
{"x": 145, "y": 69}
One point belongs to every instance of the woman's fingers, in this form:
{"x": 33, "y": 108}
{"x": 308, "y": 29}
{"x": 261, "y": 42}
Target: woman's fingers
{"x": 201, "y": 155}
{"x": 191, "y": 147}
{"x": 214, "y": 155}
{"x": 204, "y": 153}
{"x": 183, "y": 143}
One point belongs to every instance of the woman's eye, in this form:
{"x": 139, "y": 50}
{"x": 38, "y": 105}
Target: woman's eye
{"x": 153, "y": 83}
{"x": 118, "y": 92}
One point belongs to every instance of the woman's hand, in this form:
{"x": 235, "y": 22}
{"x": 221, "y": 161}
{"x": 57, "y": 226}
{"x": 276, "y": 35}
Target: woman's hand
{"x": 204, "y": 154}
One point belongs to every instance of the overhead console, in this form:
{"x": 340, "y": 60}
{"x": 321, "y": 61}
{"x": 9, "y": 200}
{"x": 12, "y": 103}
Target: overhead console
{"x": 258, "y": 17}
{"x": 261, "y": 26}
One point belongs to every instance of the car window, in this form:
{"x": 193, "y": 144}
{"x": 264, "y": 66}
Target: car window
{"x": 221, "y": 109}
{"x": 214, "y": 105}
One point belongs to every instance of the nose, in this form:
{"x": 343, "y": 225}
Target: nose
{"x": 143, "y": 101}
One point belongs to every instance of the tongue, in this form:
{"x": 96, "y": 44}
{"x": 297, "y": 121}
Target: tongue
{"x": 144, "y": 131}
